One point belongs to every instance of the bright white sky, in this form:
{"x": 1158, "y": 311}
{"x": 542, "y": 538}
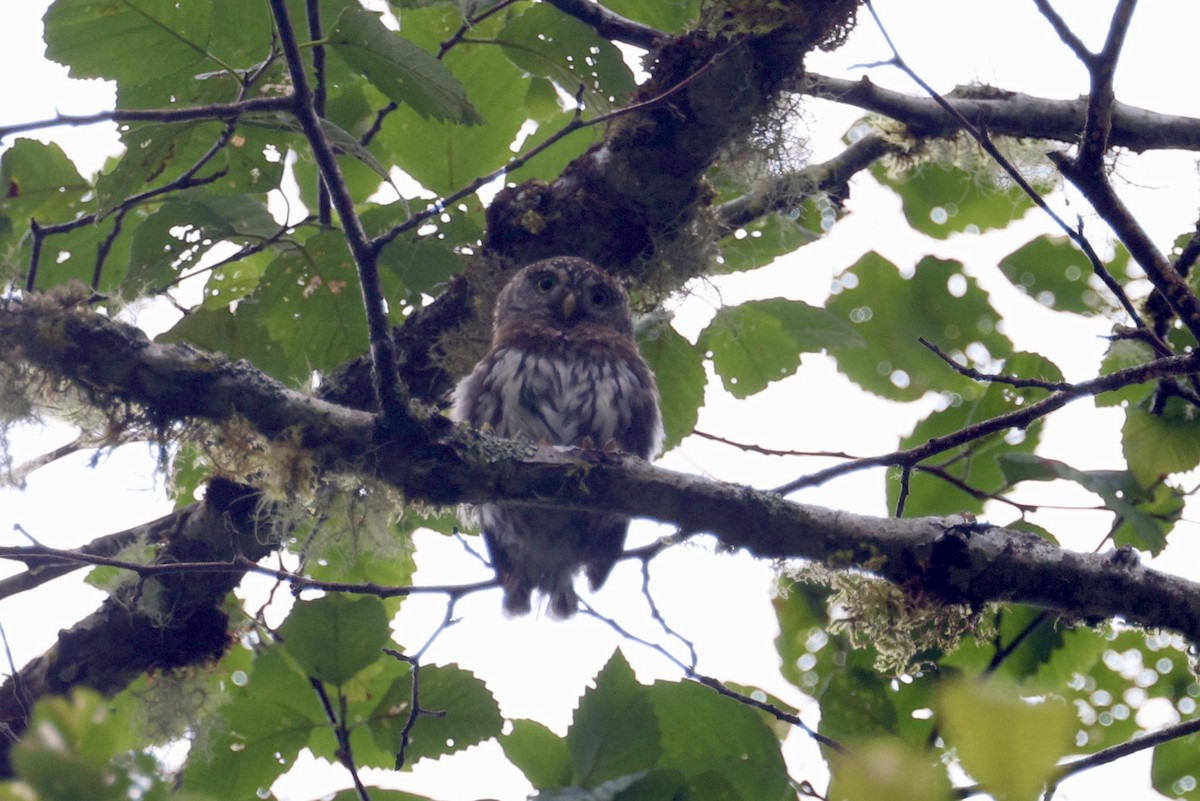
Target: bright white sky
{"x": 537, "y": 668}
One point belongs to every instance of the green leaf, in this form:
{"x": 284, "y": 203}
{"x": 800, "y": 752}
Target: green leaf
{"x": 357, "y": 540}
{"x": 940, "y": 200}
{"x": 615, "y": 732}
{"x": 268, "y": 718}
{"x": 1159, "y": 445}
{"x": 37, "y": 181}
{"x": 306, "y": 314}
{"x": 120, "y": 39}
{"x": 665, "y": 15}
{"x": 541, "y": 100}
{"x": 1146, "y": 514}
{"x": 891, "y": 311}
{"x": 1056, "y": 273}
{"x": 678, "y": 367}
{"x": 544, "y": 41}
{"x": 1173, "y": 768}
{"x": 441, "y": 155}
{"x": 1124, "y": 353}
{"x": 767, "y": 238}
{"x": 856, "y": 703}
{"x": 334, "y": 637}
{"x": 70, "y": 748}
{"x": 539, "y": 753}
{"x": 1011, "y": 746}
{"x": 376, "y": 794}
{"x": 467, "y": 714}
{"x": 422, "y": 265}
{"x": 184, "y": 228}
{"x": 343, "y": 142}
{"x": 750, "y": 349}
{"x": 400, "y": 69}
{"x": 721, "y": 747}
{"x": 549, "y": 164}
{"x": 151, "y": 150}
{"x": 887, "y": 769}
{"x": 761, "y": 341}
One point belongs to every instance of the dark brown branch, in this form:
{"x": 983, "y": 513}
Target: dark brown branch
{"x": 1165, "y": 278}
{"x": 1102, "y": 67}
{"x": 345, "y": 754}
{"x": 609, "y": 24}
{"x": 391, "y": 394}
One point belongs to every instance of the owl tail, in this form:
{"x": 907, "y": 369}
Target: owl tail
{"x": 516, "y": 596}
{"x": 563, "y": 602}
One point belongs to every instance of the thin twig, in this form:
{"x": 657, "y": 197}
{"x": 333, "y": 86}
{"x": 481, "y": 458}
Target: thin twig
{"x": 344, "y": 753}
{"x": 1018, "y": 418}
{"x": 312, "y": 13}
{"x": 210, "y": 111}
{"x": 470, "y": 22}
{"x": 993, "y": 378}
{"x": 415, "y": 708}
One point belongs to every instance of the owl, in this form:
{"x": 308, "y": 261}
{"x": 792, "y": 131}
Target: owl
{"x": 563, "y": 369}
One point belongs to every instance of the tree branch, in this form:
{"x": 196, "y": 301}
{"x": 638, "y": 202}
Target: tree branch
{"x": 1005, "y": 113}
{"x": 951, "y": 558}
{"x": 788, "y": 191}
{"x": 391, "y": 395}
{"x": 609, "y": 24}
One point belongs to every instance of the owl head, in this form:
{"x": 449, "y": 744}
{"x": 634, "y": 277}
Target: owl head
{"x": 564, "y": 293}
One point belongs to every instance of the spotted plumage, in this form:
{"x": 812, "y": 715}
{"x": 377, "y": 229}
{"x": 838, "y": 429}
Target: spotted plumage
{"x": 563, "y": 368}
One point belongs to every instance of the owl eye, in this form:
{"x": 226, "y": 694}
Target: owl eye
{"x": 599, "y": 296}
{"x": 545, "y": 282}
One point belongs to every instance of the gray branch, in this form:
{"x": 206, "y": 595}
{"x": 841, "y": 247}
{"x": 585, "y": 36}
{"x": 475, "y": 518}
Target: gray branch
{"x": 1010, "y": 114}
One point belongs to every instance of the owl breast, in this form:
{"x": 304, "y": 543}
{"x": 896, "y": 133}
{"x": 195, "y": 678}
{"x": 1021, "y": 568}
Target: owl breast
{"x": 562, "y": 401}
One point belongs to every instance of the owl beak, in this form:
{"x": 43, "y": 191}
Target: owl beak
{"x": 569, "y": 303}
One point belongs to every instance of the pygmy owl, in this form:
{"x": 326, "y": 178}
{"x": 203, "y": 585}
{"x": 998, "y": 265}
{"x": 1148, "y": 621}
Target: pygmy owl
{"x": 563, "y": 369}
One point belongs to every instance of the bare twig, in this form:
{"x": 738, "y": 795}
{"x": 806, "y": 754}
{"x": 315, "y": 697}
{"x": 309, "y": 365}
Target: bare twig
{"x": 44, "y": 559}
{"x": 415, "y": 709}
{"x": 1018, "y": 418}
{"x": 470, "y": 22}
{"x": 337, "y": 722}
{"x": 991, "y": 378}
